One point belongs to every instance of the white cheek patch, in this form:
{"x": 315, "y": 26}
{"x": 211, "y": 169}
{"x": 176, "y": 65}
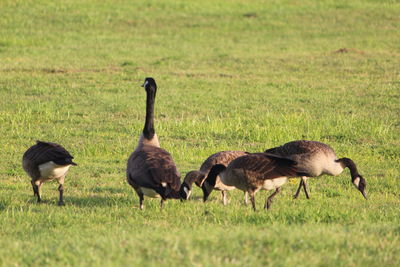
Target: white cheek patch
{"x": 145, "y": 84}
{"x": 164, "y": 184}
{"x": 187, "y": 191}
{"x": 356, "y": 181}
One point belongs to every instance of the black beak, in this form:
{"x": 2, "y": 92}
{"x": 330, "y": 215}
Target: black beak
{"x": 364, "y": 194}
{"x": 142, "y": 85}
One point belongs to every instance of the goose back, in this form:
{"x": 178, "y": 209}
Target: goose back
{"x": 46, "y": 160}
{"x": 153, "y": 168}
{"x": 313, "y": 157}
{"x": 252, "y": 170}
{"x": 222, "y": 157}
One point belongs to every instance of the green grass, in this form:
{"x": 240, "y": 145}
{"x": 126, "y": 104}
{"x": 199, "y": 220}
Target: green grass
{"x": 245, "y": 75}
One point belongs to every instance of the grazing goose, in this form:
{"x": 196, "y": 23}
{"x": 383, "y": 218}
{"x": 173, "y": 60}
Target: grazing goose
{"x": 47, "y": 161}
{"x": 151, "y": 170}
{"x": 197, "y": 177}
{"x": 253, "y": 172}
{"x": 316, "y": 159}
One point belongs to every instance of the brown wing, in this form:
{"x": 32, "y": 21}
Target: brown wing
{"x": 152, "y": 167}
{"x": 44, "y": 152}
{"x": 300, "y": 147}
{"x": 264, "y": 166}
{"x": 222, "y": 157}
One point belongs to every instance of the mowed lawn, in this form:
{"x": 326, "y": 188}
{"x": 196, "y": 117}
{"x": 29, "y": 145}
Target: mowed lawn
{"x": 232, "y": 75}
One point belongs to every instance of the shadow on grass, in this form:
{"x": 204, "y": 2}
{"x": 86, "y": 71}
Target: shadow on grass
{"x": 196, "y": 198}
{"x": 98, "y": 201}
{"x": 4, "y": 205}
{"x": 111, "y": 190}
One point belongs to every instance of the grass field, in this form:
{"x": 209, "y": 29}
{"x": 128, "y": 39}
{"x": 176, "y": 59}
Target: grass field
{"x": 232, "y": 75}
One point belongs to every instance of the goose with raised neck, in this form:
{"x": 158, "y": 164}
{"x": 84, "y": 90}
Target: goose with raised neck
{"x": 151, "y": 171}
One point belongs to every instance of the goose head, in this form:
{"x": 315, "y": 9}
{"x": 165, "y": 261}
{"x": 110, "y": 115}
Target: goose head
{"x": 185, "y": 191}
{"x": 360, "y": 183}
{"x": 192, "y": 177}
{"x": 149, "y": 84}
{"x": 186, "y": 187}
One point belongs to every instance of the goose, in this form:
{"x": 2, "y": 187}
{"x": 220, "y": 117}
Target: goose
{"x": 197, "y": 177}
{"x": 253, "y": 172}
{"x": 316, "y": 159}
{"x": 47, "y": 161}
{"x": 151, "y": 171}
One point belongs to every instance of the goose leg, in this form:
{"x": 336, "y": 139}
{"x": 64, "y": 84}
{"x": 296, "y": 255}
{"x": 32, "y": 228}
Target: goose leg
{"x": 138, "y": 192}
{"x": 61, "y": 190}
{"x": 253, "y": 200}
{"x": 162, "y": 203}
{"x": 36, "y": 191}
{"x": 246, "y": 198}
{"x": 224, "y": 198}
{"x": 140, "y": 200}
{"x": 305, "y": 187}
{"x": 298, "y": 189}
{"x": 35, "y": 188}
{"x": 270, "y": 198}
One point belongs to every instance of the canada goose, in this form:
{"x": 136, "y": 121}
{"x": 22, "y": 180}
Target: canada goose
{"x": 151, "y": 170}
{"x": 316, "y": 159}
{"x": 197, "y": 177}
{"x": 253, "y": 172}
{"x": 47, "y": 161}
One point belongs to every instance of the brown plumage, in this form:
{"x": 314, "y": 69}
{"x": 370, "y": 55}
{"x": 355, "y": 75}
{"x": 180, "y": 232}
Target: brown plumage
{"x": 151, "y": 170}
{"x": 47, "y": 161}
{"x": 315, "y": 159}
{"x": 253, "y": 172}
{"x": 198, "y": 177}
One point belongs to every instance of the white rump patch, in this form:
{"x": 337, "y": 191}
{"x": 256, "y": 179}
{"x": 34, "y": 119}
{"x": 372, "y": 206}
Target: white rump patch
{"x": 164, "y": 184}
{"x": 50, "y": 170}
{"x": 271, "y": 184}
{"x": 150, "y": 192}
{"x": 356, "y": 181}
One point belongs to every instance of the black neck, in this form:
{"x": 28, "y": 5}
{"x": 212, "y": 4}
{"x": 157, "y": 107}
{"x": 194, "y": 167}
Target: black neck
{"x": 194, "y": 176}
{"x": 351, "y": 165}
{"x": 148, "y": 130}
{"x": 174, "y": 195}
{"x": 214, "y": 172}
